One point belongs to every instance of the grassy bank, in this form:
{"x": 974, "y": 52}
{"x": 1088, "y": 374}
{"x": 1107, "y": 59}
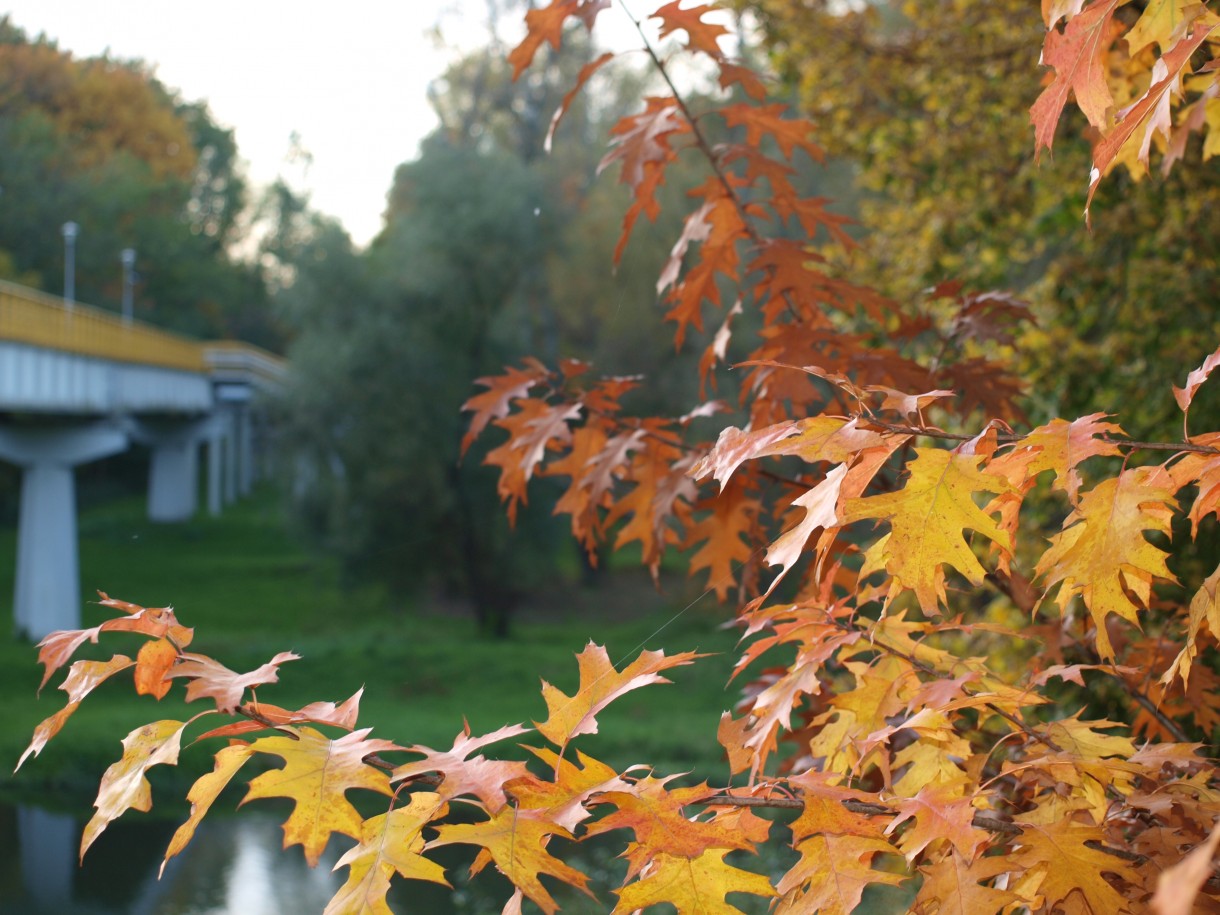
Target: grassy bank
{"x": 251, "y": 590}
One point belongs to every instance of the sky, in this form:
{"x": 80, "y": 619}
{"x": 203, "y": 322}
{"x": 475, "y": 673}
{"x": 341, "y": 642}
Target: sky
{"x": 349, "y": 77}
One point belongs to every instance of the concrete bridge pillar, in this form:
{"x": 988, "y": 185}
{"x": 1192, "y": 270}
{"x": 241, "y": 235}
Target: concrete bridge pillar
{"x": 47, "y": 592}
{"x": 173, "y": 478}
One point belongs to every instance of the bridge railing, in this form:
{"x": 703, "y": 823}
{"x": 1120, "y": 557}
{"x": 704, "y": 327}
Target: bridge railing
{"x": 33, "y": 317}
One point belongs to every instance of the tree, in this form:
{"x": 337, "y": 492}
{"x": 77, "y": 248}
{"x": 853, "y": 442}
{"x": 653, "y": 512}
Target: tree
{"x": 923, "y": 666}
{"x": 103, "y": 143}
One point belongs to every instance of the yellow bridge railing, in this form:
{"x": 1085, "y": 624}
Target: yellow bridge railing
{"x": 33, "y": 317}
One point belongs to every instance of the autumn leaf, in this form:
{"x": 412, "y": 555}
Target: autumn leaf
{"x": 1150, "y": 112}
{"x": 157, "y": 622}
{"x": 928, "y": 518}
{"x": 124, "y": 786}
{"x": 1070, "y": 867}
{"x": 515, "y": 838}
{"x": 545, "y": 26}
{"x": 152, "y": 664}
{"x": 1204, "y": 614}
{"x": 563, "y": 800}
{"x": 600, "y": 684}
{"x": 832, "y": 873}
{"x": 1102, "y": 553}
{"x": 1078, "y": 56}
{"x": 212, "y": 680}
{"x": 343, "y": 716}
{"x": 760, "y": 121}
{"x": 1062, "y": 447}
{"x": 953, "y": 885}
{"x": 82, "y": 678}
{"x": 463, "y": 774}
{"x": 317, "y": 773}
{"x": 656, "y": 814}
{"x": 1163, "y": 22}
{"x": 1184, "y": 395}
{"x": 940, "y": 812}
{"x": 701, "y": 36}
{"x": 389, "y": 844}
{"x": 695, "y": 886}
{"x": 204, "y": 792}
{"x": 724, "y": 533}
{"x": 495, "y": 402}
{"x": 1178, "y": 887}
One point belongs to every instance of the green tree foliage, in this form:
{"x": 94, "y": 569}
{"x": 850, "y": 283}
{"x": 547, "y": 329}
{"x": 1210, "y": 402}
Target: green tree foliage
{"x": 490, "y": 247}
{"x": 103, "y": 143}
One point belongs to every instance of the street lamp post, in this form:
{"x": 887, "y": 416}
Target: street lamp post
{"x": 128, "y": 257}
{"x": 70, "y": 231}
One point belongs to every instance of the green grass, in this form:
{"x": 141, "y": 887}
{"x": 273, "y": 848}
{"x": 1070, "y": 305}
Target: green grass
{"x": 250, "y": 590}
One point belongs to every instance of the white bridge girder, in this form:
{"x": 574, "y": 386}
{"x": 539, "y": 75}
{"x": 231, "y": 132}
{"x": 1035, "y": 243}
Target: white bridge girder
{"x": 38, "y": 380}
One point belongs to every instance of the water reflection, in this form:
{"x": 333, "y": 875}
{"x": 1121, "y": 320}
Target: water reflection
{"x": 234, "y": 866}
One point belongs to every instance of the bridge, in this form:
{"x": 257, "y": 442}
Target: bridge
{"x": 78, "y": 384}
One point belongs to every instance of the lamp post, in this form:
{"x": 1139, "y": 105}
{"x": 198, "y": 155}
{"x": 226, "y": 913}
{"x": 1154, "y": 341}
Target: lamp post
{"x": 128, "y": 257}
{"x": 70, "y": 231}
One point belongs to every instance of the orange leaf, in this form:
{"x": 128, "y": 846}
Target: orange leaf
{"x": 152, "y": 664}
{"x": 341, "y": 716}
{"x": 502, "y": 390}
{"x": 317, "y": 773}
{"x": 546, "y": 26}
{"x": 1178, "y": 887}
{"x": 55, "y": 650}
{"x": 1151, "y": 111}
{"x": 600, "y": 684}
{"x": 656, "y": 815}
{"x": 767, "y": 120}
{"x": 1078, "y": 56}
{"x": 952, "y": 886}
{"x": 82, "y": 677}
{"x": 939, "y": 812}
{"x": 701, "y": 36}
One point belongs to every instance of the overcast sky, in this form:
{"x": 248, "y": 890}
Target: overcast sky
{"x": 348, "y": 76}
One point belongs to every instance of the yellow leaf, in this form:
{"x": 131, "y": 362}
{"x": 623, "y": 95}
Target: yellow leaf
{"x": 1102, "y": 554}
{"x": 316, "y": 774}
{"x": 204, "y": 792}
{"x": 389, "y": 844}
{"x": 695, "y": 886}
{"x": 928, "y": 518}
{"x": 124, "y": 786}
{"x": 516, "y": 840}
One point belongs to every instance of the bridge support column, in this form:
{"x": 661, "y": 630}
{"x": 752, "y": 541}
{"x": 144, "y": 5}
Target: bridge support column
{"x": 215, "y": 468}
{"x": 173, "y": 478}
{"x": 47, "y": 595}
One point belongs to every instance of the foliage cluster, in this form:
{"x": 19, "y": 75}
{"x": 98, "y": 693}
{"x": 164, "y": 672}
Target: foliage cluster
{"x": 101, "y": 142}
{"x": 951, "y": 697}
